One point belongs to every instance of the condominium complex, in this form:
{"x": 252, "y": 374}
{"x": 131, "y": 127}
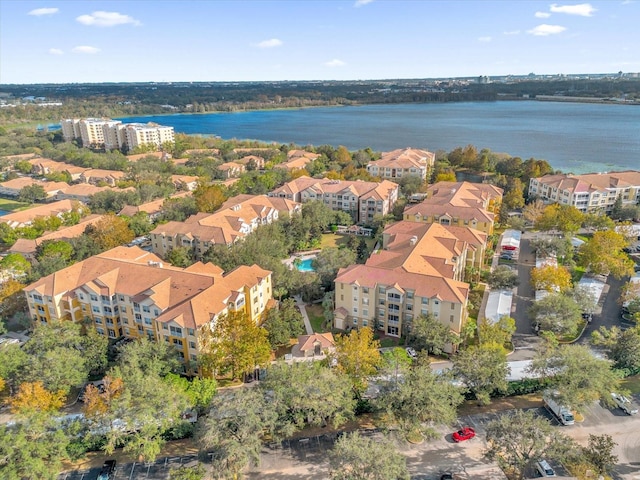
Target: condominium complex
{"x": 132, "y": 293}
{"x": 592, "y": 192}
{"x": 113, "y": 134}
{"x": 458, "y": 203}
{"x": 362, "y": 200}
{"x": 419, "y": 271}
{"x": 402, "y": 162}
{"x": 235, "y": 219}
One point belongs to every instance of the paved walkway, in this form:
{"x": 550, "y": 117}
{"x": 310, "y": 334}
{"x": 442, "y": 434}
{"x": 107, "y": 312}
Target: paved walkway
{"x": 303, "y": 311}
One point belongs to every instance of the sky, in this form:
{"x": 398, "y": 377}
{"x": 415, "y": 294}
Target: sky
{"x": 69, "y": 41}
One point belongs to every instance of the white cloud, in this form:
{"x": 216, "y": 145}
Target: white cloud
{"x": 107, "y": 19}
{"x": 271, "y": 43}
{"x": 484, "y": 39}
{"x": 85, "y": 49}
{"x": 334, "y": 63}
{"x": 38, "y": 12}
{"x": 360, "y": 3}
{"x": 542, "y": 15}
{"x": 55, "y": 51}
{"x": 583, "y": 9}
{"x": 545, "y": 30}
{"x": 512, "y": 32}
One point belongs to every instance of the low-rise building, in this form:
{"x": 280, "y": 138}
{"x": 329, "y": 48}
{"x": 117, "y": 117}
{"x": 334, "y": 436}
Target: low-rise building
{"x": 12, "y": 188}
{"x": 403, "y": 162}
{"x": 231, "y": 169}
{"x": 81, "y": 192}
{"x": 257, "y": 162}
{"x": 97, "y": 175}
{"x": 419, "y": 271}
{"x": 297, "y": 160}
{"x": 591, "y": 192}
{"x": 184, "y": 182}
{"x": 28, "y": 247}
{"x": 127, "y": 292}
{"x": 236, "y": 218}
{"x": 153, "y": 209}
{"x": 458, "y": 203}
{"x": 362, "y": 200}
{"x": 26, "y": 217}
{"x": 46, "y": 166}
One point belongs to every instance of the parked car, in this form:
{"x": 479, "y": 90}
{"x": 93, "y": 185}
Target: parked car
{"x": 544, "y": 469}
{"x": 107, "y": 470}
{"x": 506, "y": 256}
{"x": 446, "y": 476}
{"x": 625, "y": 404}
{"x": 411, "y": 352}
{"x": 465, "y": 433}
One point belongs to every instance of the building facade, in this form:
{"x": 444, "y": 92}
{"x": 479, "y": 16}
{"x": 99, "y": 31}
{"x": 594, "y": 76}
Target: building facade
{"x": 236, "y": 218}
{"x": 402, "y": 162}
{"x": 419, "y": 271}
{"x": 463, "y": 204}
{"x": 127, "y": 292}
{"x": 592, "y": 192}
{"x": 362, "y": 200}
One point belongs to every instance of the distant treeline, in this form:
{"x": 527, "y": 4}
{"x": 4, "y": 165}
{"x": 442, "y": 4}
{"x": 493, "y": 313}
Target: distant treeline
{"x": 122, "y": 99}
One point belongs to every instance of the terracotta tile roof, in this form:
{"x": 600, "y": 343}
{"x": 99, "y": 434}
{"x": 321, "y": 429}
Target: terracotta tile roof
{"x": 376, "y": 190}
{"x": 45, "y": 210}
{"x": 188, "y": 296}
{"x": 405, "y": 158}
{"x": 307, "y": 342}
{"x": 592, "y": 182}
{"x": 230, "y": 166}
{"x": 84, "y": 190}
{"x": 19, "y": 183}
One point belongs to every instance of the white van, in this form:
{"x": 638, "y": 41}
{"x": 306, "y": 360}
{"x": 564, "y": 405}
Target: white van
{"x": 544, "y": 469}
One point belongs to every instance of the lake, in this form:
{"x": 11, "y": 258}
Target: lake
{"x": 572, "y": 137}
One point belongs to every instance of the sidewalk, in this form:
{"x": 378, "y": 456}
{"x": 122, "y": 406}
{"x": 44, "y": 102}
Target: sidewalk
{"x": 303, "y": 310}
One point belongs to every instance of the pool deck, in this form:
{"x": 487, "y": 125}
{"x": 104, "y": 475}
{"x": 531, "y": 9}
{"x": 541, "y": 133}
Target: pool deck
{"x": 302, "y": 256}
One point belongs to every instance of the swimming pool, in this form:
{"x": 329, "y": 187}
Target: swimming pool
{"x": 305, "y": 265}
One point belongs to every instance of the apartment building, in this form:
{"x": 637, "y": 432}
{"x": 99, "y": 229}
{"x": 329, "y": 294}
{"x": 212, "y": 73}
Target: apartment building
{"x": 591, "y": 192}
{"x": 231, "y": 169}
{"x": 236, "y": 218}
{"x": 127, "y": 292}
{"x": 362, "y": 200}
{"x": 419, "y": 271}
{"x": 463, "y": 204}
{"x": 113, "y": 134}
{"x": 26, "y": 217}
{"x": 12, "y": 188}
{"x": 297, "y": 160}
{"x": 403, "y": 161}
{"x": 46, "y": 166}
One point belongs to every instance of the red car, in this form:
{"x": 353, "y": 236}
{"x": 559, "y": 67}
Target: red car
{"x": 465, "y": 433}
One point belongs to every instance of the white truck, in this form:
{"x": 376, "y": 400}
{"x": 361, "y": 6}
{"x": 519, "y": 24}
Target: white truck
{"x": 625, "y": 404}
{"x": 562, "y": 413}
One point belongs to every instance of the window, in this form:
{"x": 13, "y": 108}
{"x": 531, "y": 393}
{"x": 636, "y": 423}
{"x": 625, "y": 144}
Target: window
{"x": 138, "y": 318}
{"x": 453, "y": 306}
{"x": 425, "y": 301}
{"x": 191, "y": 332}
{"x": 177, "y": 341}
{"x": 147, "y": 321}
{"x": 146, "y": 309}
{"x": 365, "y": 313}
{"x": 355, "y": 321}
{"x": 176, "y": 331}
{"x": 98, "y": 320}
{"x": 165, "y": 326}
{"x": 451, "y": 318}
{"x": 105, "y": 298}
{"x": 94, "y": 298}
{"x": 95, "y": 309}
{"x": 112, "y": 334}
{"x": 123, "y": 309}
{"x": 410, "y": 295}
{"x": 192, "y": 345}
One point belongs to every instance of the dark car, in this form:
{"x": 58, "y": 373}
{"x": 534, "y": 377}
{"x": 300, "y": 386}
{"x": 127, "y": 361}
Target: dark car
{"x": 446, "y": 476}
{"x": 465, "y": 433}
{"x": 107, "y": 470}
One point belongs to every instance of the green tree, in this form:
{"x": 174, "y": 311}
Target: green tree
{"x": 199, "y": 391}
{"x": 180, "y": 257}
{"x": 283, "y": 323}
{"x": 13, "y": 360}
{"x": 497, "y": 333}
{"x": 562, "y": 218}
{"x": 428, "y": 333}
{"x": 32, "y": 449}
{"x": 557, "y": 313}
{"x": 516, "y": 440}
{"x": 355, "y": 457}
{"x": 329, "y": 261}
{"x": 156, "y": 359}
{"x": 234, "y": 430}
{"x": 483, "y": 369}
{"x": 599, "y": 453}
{"x": 15, "y": 262}
{"x": 421, "y": 400}
{"x": 140, "y": 224}
{"x": 307, "y": 394}
{"x": 358, "y": 357}
{"x": 410, "y": 184}
{"x": 503, "y": 277}
{"x": 209, "y": 198}
{"x": 603, "y": 254}
{"x": 32, "y": 193}
{"x": 196, "y": 472}
{"x": 576, "y": 374}
{"x": 55, "y": 248}
{"x": 234, "y": 345}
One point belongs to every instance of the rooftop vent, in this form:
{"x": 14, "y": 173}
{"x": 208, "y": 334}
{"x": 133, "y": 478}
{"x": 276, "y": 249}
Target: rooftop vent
{"x": 151, "y": 263}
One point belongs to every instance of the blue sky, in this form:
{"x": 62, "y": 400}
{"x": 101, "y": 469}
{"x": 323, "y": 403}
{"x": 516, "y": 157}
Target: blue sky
{"x": 61, "y": 41}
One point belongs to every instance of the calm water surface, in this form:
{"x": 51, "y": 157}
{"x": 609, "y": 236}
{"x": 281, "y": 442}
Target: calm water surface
{"x": 573, "y": 137}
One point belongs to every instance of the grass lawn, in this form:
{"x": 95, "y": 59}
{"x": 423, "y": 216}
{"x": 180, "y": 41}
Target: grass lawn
{"x": 12, "y": 205}
{"x": 632, "y": 384}
{"x": 316, "y": 317}
{"x": 577, "y": 273}
{"x": 335, "y": 240}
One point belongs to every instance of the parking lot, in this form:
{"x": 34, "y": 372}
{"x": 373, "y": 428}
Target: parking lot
{"x": 306, "y": 458}
{"x": 158, "y": 470}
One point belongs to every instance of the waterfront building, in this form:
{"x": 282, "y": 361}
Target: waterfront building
{"x": 402, "y": 162}
{"x": 591, "y": 192}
